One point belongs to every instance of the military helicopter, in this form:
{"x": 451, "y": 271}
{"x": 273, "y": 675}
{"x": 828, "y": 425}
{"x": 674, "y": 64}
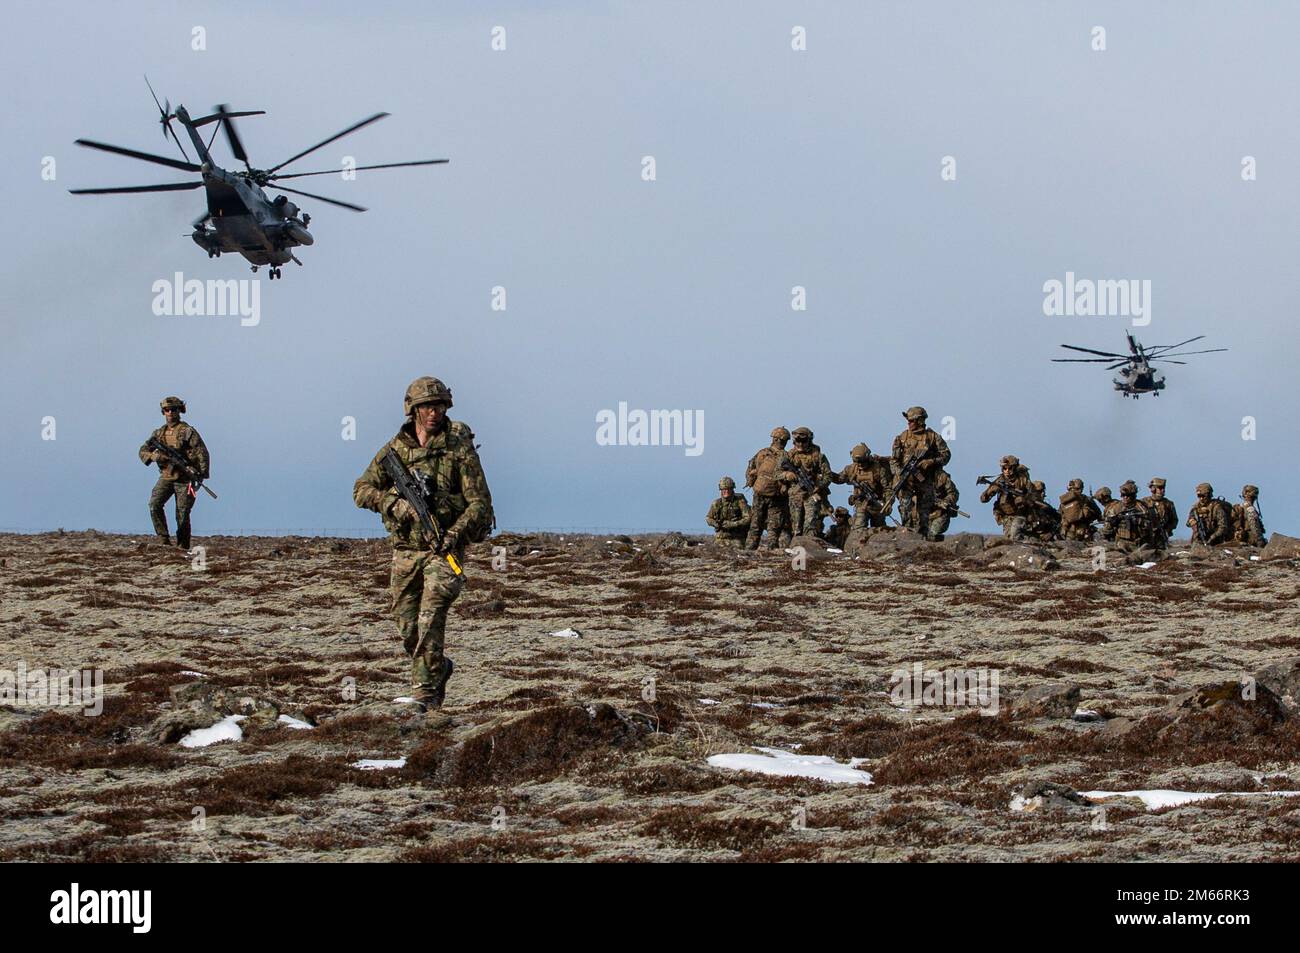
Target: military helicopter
{"x": 1136, "y": 376}
{"x": 243, "y": 218}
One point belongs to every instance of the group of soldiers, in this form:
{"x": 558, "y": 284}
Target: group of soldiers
{"x": 1021, "y": 509}
{"x": 791, "y": 498}
{"x": 791, "y": 490}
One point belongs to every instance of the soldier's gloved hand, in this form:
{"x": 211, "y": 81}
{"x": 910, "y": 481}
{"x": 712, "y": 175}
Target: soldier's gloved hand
{"x": 402, "y": 511}
{"x": 450, "y": 543}
{"x": 157, "y": 456}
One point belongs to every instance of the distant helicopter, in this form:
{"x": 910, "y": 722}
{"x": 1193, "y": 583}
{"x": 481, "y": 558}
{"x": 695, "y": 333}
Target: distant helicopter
{"x": 1136, "y": 376}
{"x": 244, "y": 219}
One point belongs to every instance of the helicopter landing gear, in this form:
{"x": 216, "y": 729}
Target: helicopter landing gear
{"x": 275, "y": 272}
{"x": 253, "y": 269}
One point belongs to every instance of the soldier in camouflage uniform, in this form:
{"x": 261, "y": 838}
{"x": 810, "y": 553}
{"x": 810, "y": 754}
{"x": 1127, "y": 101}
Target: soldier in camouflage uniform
{"x": 919, "y": 440}
{"x": 769, "y": 510}
{"x": 1042, "y": 520}
{"x": 804, "y": 505}
{"x": 1210, "y": 519}
{"x": 172, "y": 482}
{"x": 1163, "y": 508}
{"x": 945, "y": 505}
{"x": 422, "y": 582}
{"x": 1103, "y": 497}
{"x": 839, "y": 529}
{"x": 1012, "y": 507}
{"x": 1079, "y": 512}
{"x": 1128, "y": 522}
{"x": 1247, "y": 524}
{"x": 872, "y": 473}
{"x": 729, "y": 515}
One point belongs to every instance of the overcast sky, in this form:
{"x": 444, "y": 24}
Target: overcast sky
{"x": 775, "y": 168}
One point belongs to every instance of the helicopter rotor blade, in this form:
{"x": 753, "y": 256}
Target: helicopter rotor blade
{"x": 172, "y": 187}
{"x": 232, "y": 137}
{"x": 164, "y": 119}
{"x": 133, "y": 154}
{"x": 1166, "y": 360}
{"x": 228, "y": 115}
{"x": 1212, "y": 350}
{"x": 338, "y": 135}
{"x": 319, "y": 198}
{"x": 1170, "y": 347}
{"x": 361, "y": 168}
{"x": 1088, "y": 350}
{"x": 1082, "y": 360}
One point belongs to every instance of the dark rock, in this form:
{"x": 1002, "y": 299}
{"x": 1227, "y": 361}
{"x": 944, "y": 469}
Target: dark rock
{"x": 531, "y": 746}
{"x": 1054, "y": 795}
{"x": 1022, "y": 557}
{"x": 1283, "y": 680}
{"x": 1052, "y": 700}
{"x": 174, "y": 725}
{"x": 1281, "y": 547}
{"x": 814, "y": 548}
{"x": 965, "y": 544}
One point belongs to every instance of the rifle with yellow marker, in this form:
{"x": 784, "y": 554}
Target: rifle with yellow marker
{"x": 411, "y": 490}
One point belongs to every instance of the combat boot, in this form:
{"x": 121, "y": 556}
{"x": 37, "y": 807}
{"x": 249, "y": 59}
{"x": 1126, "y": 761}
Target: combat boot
{"x": 440, "y": 690}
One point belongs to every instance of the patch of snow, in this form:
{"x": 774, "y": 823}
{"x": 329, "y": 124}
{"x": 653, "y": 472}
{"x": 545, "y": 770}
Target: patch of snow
{"x": 1145, "y": 565}
{"x": 784, "y": 764}
{"x": 1254, "y": 559}
{"x": 195, "y": 674}
{"x": 568, "y": 634}
{"x": 764, "y": 705}
{"x": 227, "y": 729}
{"x": 291, "y": 722}
{"x": 379, "y": 764}
{"x": 708, "y": 701}
{"x": 406, "y": 700}
{"x": 1086, "y": 714}
{"x": 1162, "y": 798}
{"x": 534, "y": 552}
{"x": 832, "y": 549}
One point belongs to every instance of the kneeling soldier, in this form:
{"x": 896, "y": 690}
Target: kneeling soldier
{"x": 729, "y": 515}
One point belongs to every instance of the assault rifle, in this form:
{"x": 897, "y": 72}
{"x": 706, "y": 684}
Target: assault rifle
{"x": 905, "y": 472}
{"x": 1002, "y": 485}
{"x": 1202, "y": 534}
{"x": 177, "y": 460}
{"x": 416, "y": 491}
{"x": 953, "y": 511}
{"x": 805, "y": 481}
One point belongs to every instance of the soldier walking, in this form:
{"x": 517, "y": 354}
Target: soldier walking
{"x": 424, "y": 581}
{"x": 769, "y": 510}
{"x": 1012, "y": 488}
{"x": 923, "y": 452}
{"x": 868, "y": 474}
{"x": 173, "y": 480}
{"x": 806, "y": 460}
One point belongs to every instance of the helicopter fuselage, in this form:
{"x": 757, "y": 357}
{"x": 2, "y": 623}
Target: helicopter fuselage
{"x": 1138, "y": 378}
{"x": 246, "y": 221}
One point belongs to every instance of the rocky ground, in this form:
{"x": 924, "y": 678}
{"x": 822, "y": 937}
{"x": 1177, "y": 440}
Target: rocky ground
{"x": 596, "y": 746}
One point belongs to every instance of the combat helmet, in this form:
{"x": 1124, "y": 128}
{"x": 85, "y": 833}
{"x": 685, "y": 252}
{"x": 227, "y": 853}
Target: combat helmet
{"x": 1075, "y": 484}
{"x": 1102, "y": 495}
{"x": 1128, "y": 488}
{"x": 726, "y": 483}
{"x": 168, "y": 402}
{"x": 912, "y": 413}
{"x": 1160, "y": 482}
{"x": 780, "y": 433}
{"x": 425, "y": 390}
{"x": 1010, "y": 460}
{"x": 859, "y": 453}
{"x": 1204, "y": 488}
{"x": 841, "y": 513}
{"x": 1249, "y": 491}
